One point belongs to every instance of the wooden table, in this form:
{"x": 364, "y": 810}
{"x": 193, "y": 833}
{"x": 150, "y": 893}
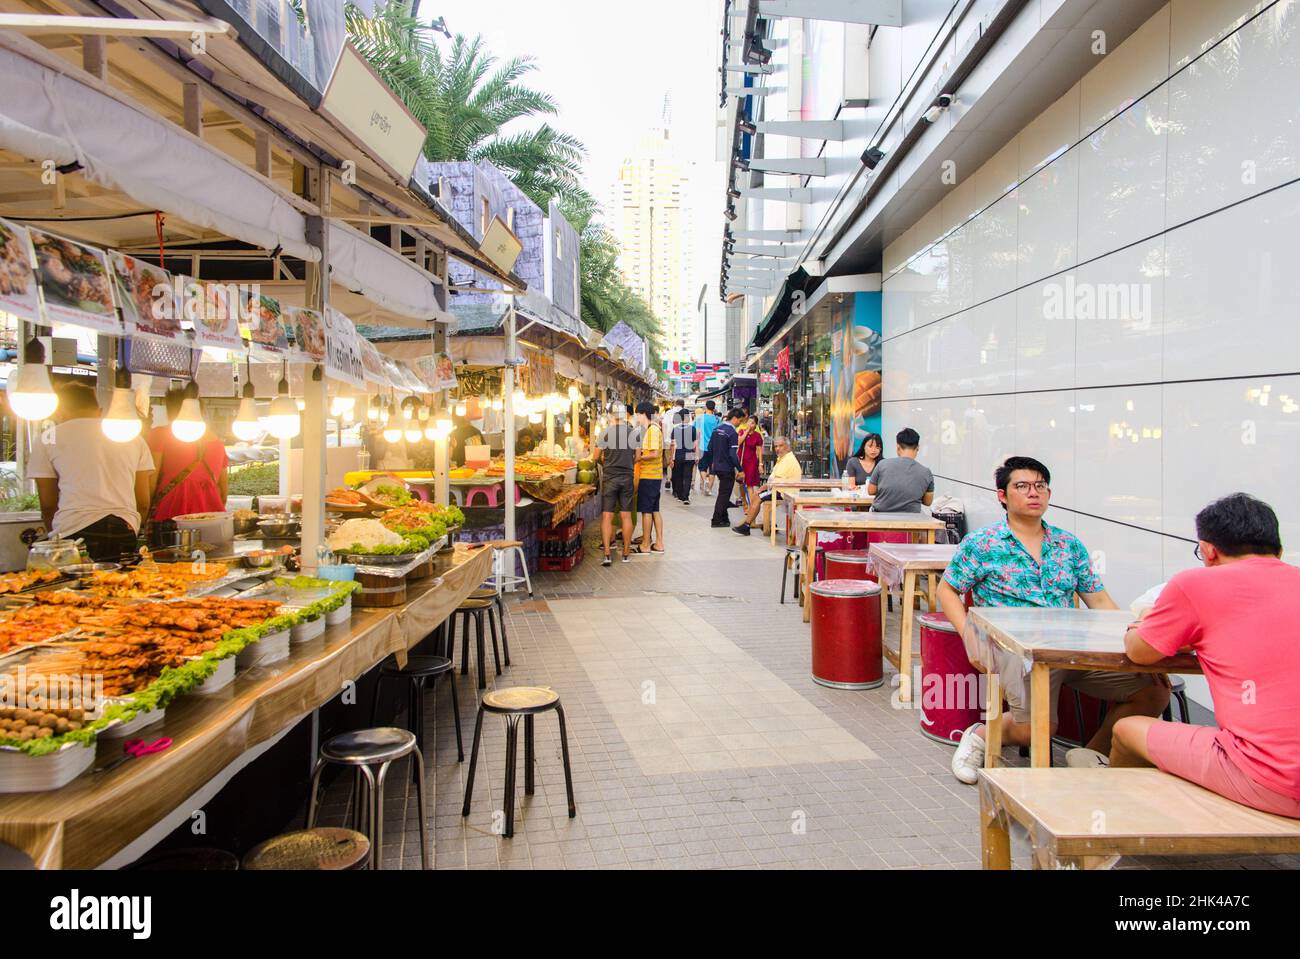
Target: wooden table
{"x": 796, "y": 500}
{"x": 793, "y": 486}
{"x": 810, "y": 522}
{"x": 109, "y": 819}
{"x": 1047, "y": 639}
{"x": 898, "y": 565}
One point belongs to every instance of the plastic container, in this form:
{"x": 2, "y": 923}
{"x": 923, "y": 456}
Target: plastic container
{"x": 217, "y": 529}
{"x": 271, "y": 648}
{"x": 223, "y": 677}
{"x": 307, "y": 631}
{"x": 340, "y": 616}
{"x": 131, "y": 726}
{"x": 21, "y": 773}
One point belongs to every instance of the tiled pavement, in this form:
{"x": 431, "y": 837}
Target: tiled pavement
{"x": 698, "y": 739}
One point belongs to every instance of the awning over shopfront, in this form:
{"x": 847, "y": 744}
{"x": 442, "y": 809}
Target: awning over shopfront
{"x": 366, "y": 266}
{"x": 52, "y": 111}
{"x": 797, "y": 284}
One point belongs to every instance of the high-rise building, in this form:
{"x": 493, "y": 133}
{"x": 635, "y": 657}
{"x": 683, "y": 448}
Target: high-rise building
{"x": 649, "y": 215}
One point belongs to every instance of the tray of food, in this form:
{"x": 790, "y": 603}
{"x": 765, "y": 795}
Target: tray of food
{"x": 33, "y": 579}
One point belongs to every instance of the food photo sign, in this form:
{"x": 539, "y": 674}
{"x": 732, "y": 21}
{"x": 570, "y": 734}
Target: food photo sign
{"x": 75, "y": 282}
{"x": 18, "y": 290}
{"x": 264, "y": 323}
{"x": 152, "y": 307}
{"x": 215, "y": 314}
{"x": 308, "y": 327}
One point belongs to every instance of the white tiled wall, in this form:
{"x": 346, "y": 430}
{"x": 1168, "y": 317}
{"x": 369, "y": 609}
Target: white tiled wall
{"x": 1177, "y": 190}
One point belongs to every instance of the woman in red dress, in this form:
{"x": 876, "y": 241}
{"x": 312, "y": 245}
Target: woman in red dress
{"x": 751, "y": 458}
{"x": 190, "y": 477}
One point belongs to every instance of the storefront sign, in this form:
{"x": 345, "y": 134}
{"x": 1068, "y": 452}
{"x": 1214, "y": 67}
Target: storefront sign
{"x": 342, "y": 350}
{"x": 18, "y": 292}
{"x": 372, "y": 115}
{"x": 76, "y": 283}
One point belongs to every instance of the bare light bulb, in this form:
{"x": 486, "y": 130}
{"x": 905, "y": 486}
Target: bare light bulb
{"x": 31, "y": 394}
{"x": 122, "y": 423}
{"x": 246, "y": 426}
{"x": 188, "y": 427}
{"x": 392, "y": 434}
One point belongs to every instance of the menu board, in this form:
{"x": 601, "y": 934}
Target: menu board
{"x": 342, "y": 350}
{"x": 214, "y": 310}
{"x": 76, "y": 283}
{"x": 265, "y": 323}
{"x": 150, "y": 298}
{"x": 373, "y": 363}
{"x": 308, "y": 328}
{"x": 18, "y": 293}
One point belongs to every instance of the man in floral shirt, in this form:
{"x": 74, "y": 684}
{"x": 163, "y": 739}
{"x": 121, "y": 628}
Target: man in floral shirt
{"x": 1024, "y": 561}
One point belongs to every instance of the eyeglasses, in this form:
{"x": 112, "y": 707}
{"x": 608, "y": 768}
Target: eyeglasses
{"x": 1196, "y": 551}
{"x": 1039, "y": 487}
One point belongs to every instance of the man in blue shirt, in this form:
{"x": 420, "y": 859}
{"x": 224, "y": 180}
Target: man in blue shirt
{"x": 724, "y": 460}
{"x": 706, "y": 424}
{"x": 1024, "y": 561}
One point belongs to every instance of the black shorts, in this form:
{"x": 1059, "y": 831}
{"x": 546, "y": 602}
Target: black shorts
{"x": 705, "y": 464}
{"x": 648, "y": 492}
{"x": 617, "y": 492}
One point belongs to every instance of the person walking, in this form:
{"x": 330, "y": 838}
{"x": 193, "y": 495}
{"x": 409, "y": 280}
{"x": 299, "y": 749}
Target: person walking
{"x": 706, "y": 423}
{"x": 686, "y": 442}
{"x": 751, "y": 461}
{"x": 725, "y": 461}
{"x": 649, "y": 487}
{"x": 616, "y": 450}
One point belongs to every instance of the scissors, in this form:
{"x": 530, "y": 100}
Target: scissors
{"x": 136, "y": 749}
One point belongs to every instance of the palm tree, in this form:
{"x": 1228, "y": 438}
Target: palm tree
{"x": 464, "y": 98}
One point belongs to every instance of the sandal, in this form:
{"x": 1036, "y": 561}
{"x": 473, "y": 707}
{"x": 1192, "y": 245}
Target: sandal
{"x": 660, "y": 550}
{"x": 639, "y": 551}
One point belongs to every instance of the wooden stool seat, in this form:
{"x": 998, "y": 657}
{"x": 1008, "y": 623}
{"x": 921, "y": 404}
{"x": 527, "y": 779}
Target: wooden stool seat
{"x": 325, "y": 848}
{"x": 501, "y": 543}
{"x": 484, "y": 592}
{"x": 521, "y": 699}
{"x": 476, "y": 603}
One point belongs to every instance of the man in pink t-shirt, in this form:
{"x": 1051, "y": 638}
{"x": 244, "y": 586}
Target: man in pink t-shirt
{"x": 1237, "y": 614}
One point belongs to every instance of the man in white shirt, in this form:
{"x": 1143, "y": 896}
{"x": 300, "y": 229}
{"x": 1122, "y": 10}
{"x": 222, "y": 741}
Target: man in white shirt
{"x": 89, "y": 486}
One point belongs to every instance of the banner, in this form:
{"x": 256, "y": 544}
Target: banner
{"x": 18, "y": 292}
{"x": 856, "y": 382}
{"x": 265, "y": 319}
{"x": 342, "y": 350}
{"x": 76, "y": 283}
{"x": 216, "y": 320}
{"x": 372, "y": 364}
{"x": 308, "y": 328}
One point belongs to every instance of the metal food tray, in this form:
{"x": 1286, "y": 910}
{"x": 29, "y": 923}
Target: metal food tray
{"x": 288, "y": 596}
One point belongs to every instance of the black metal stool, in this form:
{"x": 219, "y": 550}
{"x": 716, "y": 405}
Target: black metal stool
{"x": 476, "y": 609}
{"x": 325, "y": 848}
{"x": 419, "y": 670}
{"x": 487, "y": 592}
{"x": 361, "y": 750}
{"x": 512, "y": 703}
{"x": 793, "y": 560}
{"x": 1177, "y": 691}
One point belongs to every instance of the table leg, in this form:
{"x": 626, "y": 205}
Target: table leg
{"x": 995, "y": 832}
{"x": 809, "y": 557}
{"x": 772, "y": 514}
{"x": 1040, "y": 730}
{"x": 884, "y": 609}
{"x": 905, "y": 638}
{"x": 993, "y": 722}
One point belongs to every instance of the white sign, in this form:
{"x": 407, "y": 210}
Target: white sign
{"x": 342, "y": 350}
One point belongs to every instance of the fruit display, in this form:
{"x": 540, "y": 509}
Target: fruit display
{"x": 158, "y": 580}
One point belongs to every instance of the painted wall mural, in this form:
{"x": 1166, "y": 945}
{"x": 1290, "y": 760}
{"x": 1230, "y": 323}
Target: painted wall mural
{"x": 856, "y": 375}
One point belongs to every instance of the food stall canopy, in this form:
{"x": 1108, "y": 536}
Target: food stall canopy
{"x": 366, "y": 266}
{"x": 51, "y": 112}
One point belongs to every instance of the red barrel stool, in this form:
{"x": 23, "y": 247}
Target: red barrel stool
{"x": 846, "y": 648}
{"x": 950, "y": 685}
{"x": 849, "y": 564}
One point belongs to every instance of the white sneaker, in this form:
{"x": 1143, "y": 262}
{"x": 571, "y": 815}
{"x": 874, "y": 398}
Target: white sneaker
{"x": 968, "y": 760}
{"x": 1083, "y": 758}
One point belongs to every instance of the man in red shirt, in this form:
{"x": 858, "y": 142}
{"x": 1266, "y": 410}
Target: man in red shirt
{"x": 1236, "y": 614}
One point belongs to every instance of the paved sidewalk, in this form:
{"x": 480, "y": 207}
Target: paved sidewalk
{"x": 698, "y": 738}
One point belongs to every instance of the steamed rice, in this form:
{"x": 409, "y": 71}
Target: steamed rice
{"x": 366, "y": 533}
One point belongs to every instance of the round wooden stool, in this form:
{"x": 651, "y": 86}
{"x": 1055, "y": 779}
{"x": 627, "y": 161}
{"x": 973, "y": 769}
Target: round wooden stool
{"x": 514, "y": 703}
{"x": 324, "y": 848}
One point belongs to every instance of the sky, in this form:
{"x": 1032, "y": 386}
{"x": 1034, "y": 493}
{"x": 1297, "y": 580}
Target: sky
{"x": 608, "y": 67}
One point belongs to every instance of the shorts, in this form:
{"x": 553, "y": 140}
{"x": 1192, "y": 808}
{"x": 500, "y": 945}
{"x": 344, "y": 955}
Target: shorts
{"x": 617, "y": 492}
{"x": 648, "y": 492}
{"x": 1102, "y": 684}
{"x": 1194, "y": 753}
{"x": 705, "y": 464}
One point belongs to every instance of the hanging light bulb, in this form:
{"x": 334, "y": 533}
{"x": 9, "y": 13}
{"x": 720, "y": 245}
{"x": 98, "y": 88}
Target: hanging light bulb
{"x": 461, "y": 408}
{"x": 283, "y": 421}
{"x": 534, "y": 418}
{"x": 392, "y": 433}
{"x": 188, "y": 427}
{"x": 372, "y": 410}
{"x": 443, "y": 426}
{"x": 31, "y": 394}
{"x": 518, "y": 400}
{"x": 414, "y": 434}
{"x": 122, "y": 422}
{"x": 247, "y": 426}
{"x": 498, "y": 405}
{"x": 430, "y": 431}
{"x": 408, "y": 408}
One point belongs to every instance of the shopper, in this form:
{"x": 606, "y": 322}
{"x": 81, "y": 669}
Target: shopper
{"x": 751, "y": 462}
{"x": 616, "y": 450}
{"x": 786, "y": 468}
{"x": 89, "y": 486}
{"x": 863, "y": 463}
{"x": 686, "y": 443}
{"x": 189, "y": 477}
{"x": 724, "y": 461}
{"x": 649, "y": 487}
{"x": 666, "y": 422}
{"x": 706, "y": 424}
{"x": 902, "y": 485}
{"x": 1024, "y": 561}
{"x": 463, "y": 434}
{"x": 1235, "y": 614}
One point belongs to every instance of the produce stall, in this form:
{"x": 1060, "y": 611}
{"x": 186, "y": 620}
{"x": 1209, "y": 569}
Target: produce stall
{"x": 109, "y": 818}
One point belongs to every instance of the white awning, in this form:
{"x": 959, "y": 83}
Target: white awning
{"x": 385, "y": 277}
{"x": 52, "y": 111}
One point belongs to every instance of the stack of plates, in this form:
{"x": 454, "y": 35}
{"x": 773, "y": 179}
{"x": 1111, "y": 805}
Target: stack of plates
{"x": 223, "y": 677}
{"x": 271, "y": 648}
{"x": 21, "y": 773}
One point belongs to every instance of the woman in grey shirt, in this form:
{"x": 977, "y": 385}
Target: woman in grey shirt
{"x": 863, "y": 463}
